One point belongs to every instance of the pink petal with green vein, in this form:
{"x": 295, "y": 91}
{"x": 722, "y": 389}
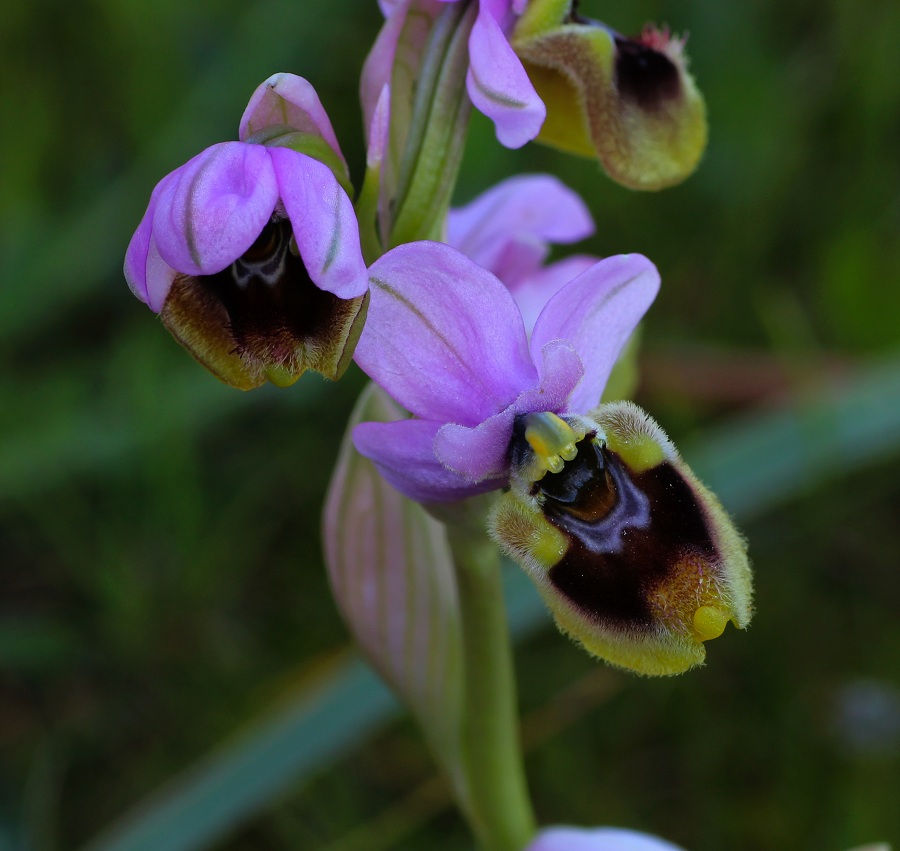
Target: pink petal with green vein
{"x": 498, "y": 85}
{"x": 443, "y": 337}
{"x": 597, "y": 313}
{"x": 323, "y": 221}
{"x": 507, "y": 229}
{"x": 215, "y": 208}
{"x": 534, "y": 291}
{"x": 290, "y": 101}
{"x": 404, "y": 454}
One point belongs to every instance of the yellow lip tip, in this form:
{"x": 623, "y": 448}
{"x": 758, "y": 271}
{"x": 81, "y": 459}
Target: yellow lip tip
{"x": 281, "y": 377}
{"x": 709, "y": 622}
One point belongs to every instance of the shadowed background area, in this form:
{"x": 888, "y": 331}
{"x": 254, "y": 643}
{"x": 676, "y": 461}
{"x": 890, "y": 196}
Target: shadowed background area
{"x": 162, "y": 591}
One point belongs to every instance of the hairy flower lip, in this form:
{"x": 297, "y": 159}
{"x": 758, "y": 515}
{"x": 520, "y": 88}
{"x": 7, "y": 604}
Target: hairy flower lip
{"x": 645, "y": 74}
{"x": 634, "y": 556}
{"x": 630, "y": 102}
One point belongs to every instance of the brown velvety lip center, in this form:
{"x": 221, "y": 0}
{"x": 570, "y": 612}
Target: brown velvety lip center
{"x": 644, "y": 75}
{"x": 269, "y": 298}
{"x": 630, "y": 533}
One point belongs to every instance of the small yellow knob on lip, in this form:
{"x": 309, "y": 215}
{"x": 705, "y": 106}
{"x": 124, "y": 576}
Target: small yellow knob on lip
{"x": 280, "y": 376}
{"x": 709, "y": 622}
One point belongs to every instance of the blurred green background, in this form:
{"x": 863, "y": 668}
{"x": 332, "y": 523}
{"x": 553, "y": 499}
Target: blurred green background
{"x": 161, "y": 579}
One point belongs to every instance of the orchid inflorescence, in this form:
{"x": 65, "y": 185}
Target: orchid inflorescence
{"x": 495, "y": 421}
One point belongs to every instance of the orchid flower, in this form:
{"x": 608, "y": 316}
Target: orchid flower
{"x": 448, "y": 343}
{"x": 496, "y": 81}
{"x": 597, "y": 839}
{"x": 635, "y": 558}
{"x": 250, "y": 251}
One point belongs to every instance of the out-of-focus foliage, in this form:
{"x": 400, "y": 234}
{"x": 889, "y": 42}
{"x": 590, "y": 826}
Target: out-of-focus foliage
{"x": 161, "y": 577}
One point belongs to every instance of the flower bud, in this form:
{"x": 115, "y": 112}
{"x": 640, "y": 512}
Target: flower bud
{"x": 628, "y": 101}
{"x": 636, "y": 559}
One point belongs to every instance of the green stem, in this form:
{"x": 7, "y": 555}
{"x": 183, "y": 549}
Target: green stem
{"x": 499, "y": 805}
{"x": 367, "y": 215}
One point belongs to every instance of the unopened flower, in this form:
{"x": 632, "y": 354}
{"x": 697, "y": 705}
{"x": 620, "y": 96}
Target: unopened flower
{"x": 635, "y": 558}
{"x": 629, "y": 101}
{"x": 250, "y": 251}
{"x": 497, "y": 83}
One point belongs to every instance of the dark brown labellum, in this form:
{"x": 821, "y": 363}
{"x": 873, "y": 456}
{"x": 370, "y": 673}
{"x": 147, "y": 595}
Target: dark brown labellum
{"x": 645, "y": 75}
{"x": 269, "y": 298}
{"x": 630, "y": 533}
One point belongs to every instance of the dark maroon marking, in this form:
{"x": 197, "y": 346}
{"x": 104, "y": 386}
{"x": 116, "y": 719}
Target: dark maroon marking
{"x": 627, "y": 532}
{"x": 644, "y": 75}
{"x": 267, "y": 319}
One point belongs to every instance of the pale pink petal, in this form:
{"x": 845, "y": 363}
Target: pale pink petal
{"x": 534, "y": 291}
{"x": 598, "y": 839}
{"x": 498, "y": 85}
{"x": 323, "y": 221}
{"x": 561, "y": 370}
{"x": 290, "y": 101}
{"x": 217, "y": 207}
{"x": 597, "y": 313}
{"x": 507, "y": 228}
{"x": 139, "y": 248}
{"x": 443, "y": 337}
{"x": 160, "y": 276}
{"x": 482, "y": 453}
{"x": 533, "y": 205}
{"x": 477, "y": 454}
{"x": 501, "y": 11}
{"x": 404, "y": 454}
{"x": 388, "y": 6}
{"x": 379, "y": 129}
